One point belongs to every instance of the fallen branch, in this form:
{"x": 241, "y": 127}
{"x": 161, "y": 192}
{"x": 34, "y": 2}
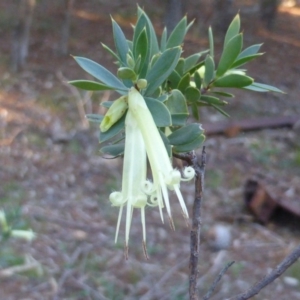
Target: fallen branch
{"x": 278, "y": 271}
{"x": 232, "y": 128}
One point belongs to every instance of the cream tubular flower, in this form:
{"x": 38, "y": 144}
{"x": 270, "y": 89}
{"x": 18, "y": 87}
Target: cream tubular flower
{"x": 164, "y": 176}
{"x": 134, "y": 178}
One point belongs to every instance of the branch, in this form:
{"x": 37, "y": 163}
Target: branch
{"x": 278, "y": 271}
{"x": 217, "y": 280}
{"x": 192, "y": 160}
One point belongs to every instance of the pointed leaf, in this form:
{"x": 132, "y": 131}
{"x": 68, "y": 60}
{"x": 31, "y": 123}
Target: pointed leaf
{"x": 212, "y": 100}
{"x": 224, "y": 113}
{"x": 177, "y": 106}
{"x": 94, "y": 118}
{"x": 184, "y": 82}
{"x": 185, "y": 134}
{"x": 113, "y": 150}
{"x": 141, "y": 48}
{"x": 209, "y": 71}
{"x": 163, "y": 40}
{"x": 243, "y": 60}
{"x": 100, "y": 73}
{"x": 224, "y": 94}
{"x": 190, "y": 62}
{"x": 159, "y": 111}
{"x": 195, "y": 144}
{"x": 90, "y": 85}
{"x": 144, "y": 21}
{"x": 249, "y": 51}
{"x": 173, "y": 80}
{"x": 211, "y": 42}
{"x": 195, "y": 111}
{"x": 233, "y": 29}
{"x": 163, "y": 67}
{"x": 230, "y": 53}
{"x": 233, "y": 80}
{"x": 110, "y": 51}
{"x": 178, "y": 34}
{"x": 180, "y": 66}
{"x": 120, "y": 42}
{"x": 261, "y": 87}
{"x": 198, "y": 80}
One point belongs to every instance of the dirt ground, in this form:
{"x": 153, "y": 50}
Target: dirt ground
{"x": 54, "y": 181}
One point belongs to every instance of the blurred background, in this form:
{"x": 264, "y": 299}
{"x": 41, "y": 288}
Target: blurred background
{"x": 53, "y": 180}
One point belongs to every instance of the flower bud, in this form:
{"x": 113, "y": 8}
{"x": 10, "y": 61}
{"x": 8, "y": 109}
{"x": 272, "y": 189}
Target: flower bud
{"x": 141, "y": 84}
{"x": 114, "y": 113}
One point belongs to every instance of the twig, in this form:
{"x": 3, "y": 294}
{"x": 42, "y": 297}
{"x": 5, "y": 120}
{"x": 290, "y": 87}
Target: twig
{"x": 278, "y": 271}
{"x": 30, "y": 264}
{"x": 217, "y": 280}
{"x": 158, "y": 286}
{"x": 192, "y": 160}
{"x": 79, "y": 101}
{"x": 68, "y": 272}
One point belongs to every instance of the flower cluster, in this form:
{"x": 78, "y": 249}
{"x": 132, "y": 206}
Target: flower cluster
{"x": 143, "y": 140}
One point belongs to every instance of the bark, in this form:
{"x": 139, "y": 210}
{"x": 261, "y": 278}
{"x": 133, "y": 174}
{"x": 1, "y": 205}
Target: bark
{"x": 21, "y": 34}
{"x": 65, "y": 32}
{"x": 223, "y": 14}
{"x": 268, "y": 12}
{"x": 173, "y": 14}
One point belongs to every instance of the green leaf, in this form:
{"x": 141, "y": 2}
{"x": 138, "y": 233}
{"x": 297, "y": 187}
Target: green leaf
{"x": 229, "y": 55}
{"x": 180, "y": 66}
{"x": 120, "y": 42}
{"x": 174, "y": 79}
{"x": 268, "y": 87}
{"x": 224, "y": 113}
{"x": 107, "y": 104}
{"x": 196, "y": 67}
{"x": 211, "y": 42}
{"x": 195, "y": 111}
{"x": 224, "y": 94}
{"x": 249, "y": 51}
{"x": 113, "y": 150}
{"x": 90, "y": 85}
{"x": 159, "y": 111}
{"x": 113, "y": 130}
{"x": 209, "y": 71}
{"x": 94, "y": 118}
{"x": 178, "y": 34}
{"x": 177, "y": 106}
{"x": 198, "y": 80}
{"x": 111, "y": 52}
{"x": 162, "y": 68}
{"x": 163, "y": 40}
{"x": 233, "y": 80}
{"x": 141, "y": 48}
{"x": 242, "y": 61}
{"x": 184, "y": 82}
{"x": 212, "y": 100}
{"x": 233, "y": 29}
{"x": 190, "y": 62}
{"x": 192, "y": 94}
{"x": 126, "y": 73}
{"x": 101, "y": 73}
{"x": 144, "y": 21}
{"x": 185, "y": 134}
{"x": 166, "y": 142}
{"x": 195, "y": 144}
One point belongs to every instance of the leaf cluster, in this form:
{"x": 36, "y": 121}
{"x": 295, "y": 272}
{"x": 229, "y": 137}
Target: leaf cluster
{"x": 177, "y": 87}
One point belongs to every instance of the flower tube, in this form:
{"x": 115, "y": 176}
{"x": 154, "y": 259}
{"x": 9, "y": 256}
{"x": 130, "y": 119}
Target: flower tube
{"x": 133, "y": 181}
{"x": 164, "y": 176}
